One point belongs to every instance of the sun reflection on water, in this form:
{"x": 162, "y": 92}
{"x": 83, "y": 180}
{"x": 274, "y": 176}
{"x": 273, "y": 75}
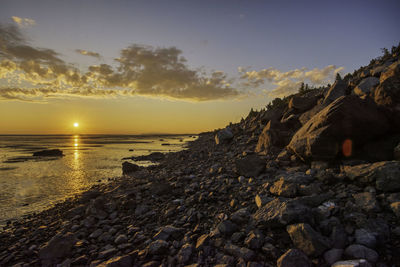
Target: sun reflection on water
{"x": 76, "y": 181}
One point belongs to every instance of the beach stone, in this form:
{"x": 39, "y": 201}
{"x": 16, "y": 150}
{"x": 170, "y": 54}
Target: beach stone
{"x": 227, "y": 228}
{"x": 168, "y": 232}
{"x": 158, "y": 247}
{"x": 239, "y": 252}
{"x": 366, "y": 201}
{"x": 333, "y": 255}
{"x": 294, "y": 258}
{"x": 395, "y": 206}
{"x": 57, "y": 248}
{"x": 352, "y": 263}
{"x": 255, "y": 240}
{"x": 366, "y": 85}
{"x": 262, "y": 200}
{"x": 277, "y": 213}
{"x": 348, "y": 117}
{"x": 121, "y": 239}
{"x": 118, "y": 261}
{"x": 250, "y": 165}
{"x": 202, "y": 240}
{"x": 307, "y": 239}
{"x": 223, "y": 136}
{"x": 240, "y": 216}
{"x": 366, "y": 238}
{"x": 185, "y": 253}
{"x": 81, "y": 260}
{"x": 356, "y": 251}
{"x": 96, "y": 233}
{"x": 107, "y": 253}
{"x": 128, "y": 167}
{"x": 283, "y": 188}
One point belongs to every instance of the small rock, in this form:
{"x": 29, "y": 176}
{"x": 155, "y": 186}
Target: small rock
{"x": 239, "y": 252}
{"x": 121, "y": 239}
{"x": 366, "y": 238}
{"x": 118, "y": 261}
{"x": 105, "y": 254}
{"x": 158, "y": 247}
{"x": 361, "y": 252}
{"x": 333, "y": 255}
{"x": 395, "y": 206}
{"x": 227, "y": 228}
{"x": 352, "y": 263}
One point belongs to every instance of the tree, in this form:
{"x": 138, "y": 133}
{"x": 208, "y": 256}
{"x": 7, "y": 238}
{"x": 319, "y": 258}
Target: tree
{"x": 338, "y": 77}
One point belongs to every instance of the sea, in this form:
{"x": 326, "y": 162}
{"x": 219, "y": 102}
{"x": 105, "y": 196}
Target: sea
{"x": 31, "y": 184}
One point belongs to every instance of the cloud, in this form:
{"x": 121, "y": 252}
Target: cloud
{"x": 139, "y": 70}
{"x": 88, "y": 53}
{"x": 287, "y": 82}
{"x": 23, "y": 22}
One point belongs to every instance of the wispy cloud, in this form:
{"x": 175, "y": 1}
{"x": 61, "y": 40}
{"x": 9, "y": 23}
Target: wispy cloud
{"x": 288, "y": 82}
{"x": 23, "y": 22}
{"x": 88, "y": 53}
{"x": 139, "y": 70}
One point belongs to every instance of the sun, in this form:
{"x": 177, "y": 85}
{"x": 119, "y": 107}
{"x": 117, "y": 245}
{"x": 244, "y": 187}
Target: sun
{"x": 76, "y": 125}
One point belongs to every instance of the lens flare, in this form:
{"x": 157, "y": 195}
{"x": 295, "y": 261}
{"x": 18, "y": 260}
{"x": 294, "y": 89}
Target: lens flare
{"x": 347, "y": 147}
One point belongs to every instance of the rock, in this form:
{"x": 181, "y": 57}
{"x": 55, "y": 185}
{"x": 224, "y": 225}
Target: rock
{"x": 366, "y": 85}
{"x": 333, "y": 255}
{"x": 128, "y": 167}
{"x": 239, "y": 252}
{"x": 277, "y": 213}
{"x": 396, "y": 152}
{"x": 307, "y": 239}
{"x": 105, "y": 254}
{"x": 96, "y": 233}
{"x": 49, "y": 153}
{"x": 283, "y": 188}
{"x": 227, "y": 228}
{"x": 306, "y": 116}
{"x": 383, "y": 149}
{"x": 185, "y": 253}
{"x": 240, "y": 216}
{"x": 294, "y": 258}
{"x": 302, "y": 103}
{"x": 154, "y": 157}
{"x": 388, "y": 91}
{"x": 338, "y": 89}
{"x": 158, "y": 247}
{"x": 384, "y": 174}
{"x": 347, "y": 118}
{"x": 275, "y": 135}
{"x": 255, "y": 240}
{"x": 361, "y": 252}
{"x": 366, "y": 201}
{"x": 365, "y": 237}
{"x": 169, "y": 232}
{"x": 262, "y": 200}
{"x": 223, "y": 136}
{"x": 118, "y": 261}
{"x": 250, "y": 165}
{"x": 121, "y": 239}
{"x": 57, "y": 248}
{"x": 352, "y": 263}
{"x": 82, "y": 260}
{"x": 202, "y": 240}
{"x": 395, "y": 206}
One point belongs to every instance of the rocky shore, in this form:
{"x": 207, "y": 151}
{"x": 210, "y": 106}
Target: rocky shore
{"x": 313, "y": 180}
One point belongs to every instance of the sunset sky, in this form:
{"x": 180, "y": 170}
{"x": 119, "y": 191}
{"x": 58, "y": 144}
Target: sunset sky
{"x": 139, "y": 67}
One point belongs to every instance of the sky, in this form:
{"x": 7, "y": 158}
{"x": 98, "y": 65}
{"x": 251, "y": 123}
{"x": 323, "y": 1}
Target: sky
{"x": 146, "y": 67}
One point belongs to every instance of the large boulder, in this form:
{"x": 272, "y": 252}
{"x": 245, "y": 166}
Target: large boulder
{"x": 388, "y": 91}
{"x": 302, "y": 103}
{"x": 366, "y": 85}
{"x": 280, "y": 212}
{"x": 306, "y": 116}
{"x": 223, "y": 136}
{"x": 385, "y": 174}
{"x": 338, "y": 89}
{"x": 274, "y": 136}
{"x": 347, "y": 118}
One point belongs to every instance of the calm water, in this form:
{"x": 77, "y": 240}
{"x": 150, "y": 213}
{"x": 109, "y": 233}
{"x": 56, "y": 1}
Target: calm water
{"x": 28, "y": 185}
